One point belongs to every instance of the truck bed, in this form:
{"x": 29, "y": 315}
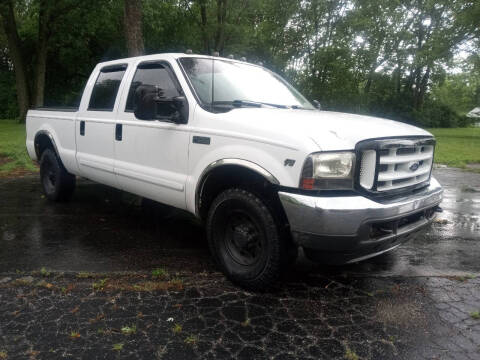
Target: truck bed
{"x": 54, "y": 121}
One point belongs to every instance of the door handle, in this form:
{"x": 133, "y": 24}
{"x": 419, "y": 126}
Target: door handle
{"x": 82, "y": 128}
{"x": 118, "y": 132}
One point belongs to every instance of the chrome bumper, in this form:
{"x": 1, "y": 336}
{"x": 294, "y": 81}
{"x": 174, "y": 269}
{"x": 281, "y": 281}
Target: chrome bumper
{"x": 356, "y": 227}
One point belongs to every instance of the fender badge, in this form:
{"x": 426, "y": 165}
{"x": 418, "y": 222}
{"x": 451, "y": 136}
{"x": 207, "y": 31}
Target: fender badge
{"x": 289, "y": 162}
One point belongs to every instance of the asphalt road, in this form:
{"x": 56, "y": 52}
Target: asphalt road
{"x": 98, "y": 252}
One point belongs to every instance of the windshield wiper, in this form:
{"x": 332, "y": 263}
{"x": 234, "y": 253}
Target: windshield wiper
{"x": 247, "y": 103}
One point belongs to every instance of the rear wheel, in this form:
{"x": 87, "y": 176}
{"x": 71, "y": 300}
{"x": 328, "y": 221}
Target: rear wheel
{"x": 247, "y": 241}
{"x": 57, "y": 183}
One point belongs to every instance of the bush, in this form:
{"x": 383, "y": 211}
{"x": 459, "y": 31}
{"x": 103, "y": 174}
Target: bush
{"x": 435, "y": 115}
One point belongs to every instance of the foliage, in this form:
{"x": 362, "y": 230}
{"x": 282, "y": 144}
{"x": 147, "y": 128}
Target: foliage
{"x": 177, "y": 329}
{"x": 117, "y": 346}
{"x": 159, "y": 273}
{"x": 398, "y": 59}
{"x": 191, "y": 340}
{"x": 128, "y": 330}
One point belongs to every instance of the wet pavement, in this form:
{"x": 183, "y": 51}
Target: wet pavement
{"x": 97, "y": 297}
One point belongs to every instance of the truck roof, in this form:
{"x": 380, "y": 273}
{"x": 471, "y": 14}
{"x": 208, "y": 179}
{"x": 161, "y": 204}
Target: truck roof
{"x": 165, "y": 56}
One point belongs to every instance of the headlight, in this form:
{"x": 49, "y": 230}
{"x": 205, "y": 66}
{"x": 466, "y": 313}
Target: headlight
{"x": 329, "y": 170}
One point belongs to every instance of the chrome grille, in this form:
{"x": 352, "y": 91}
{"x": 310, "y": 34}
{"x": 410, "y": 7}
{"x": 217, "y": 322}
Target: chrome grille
{"x": 396, "y": 163}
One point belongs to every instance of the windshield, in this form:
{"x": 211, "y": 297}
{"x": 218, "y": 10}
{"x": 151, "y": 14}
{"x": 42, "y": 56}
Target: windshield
{"x": 240, "y": 84}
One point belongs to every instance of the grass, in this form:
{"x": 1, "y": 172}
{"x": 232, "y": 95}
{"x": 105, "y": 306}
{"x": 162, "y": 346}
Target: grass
{"x": 246, "y": 322}
{"x": 475, "y": 315}
{"x": 13, "y": 152}
{"x": 462, "y": 278}
{"x": 44, "y": 272}
{"x": 127, "y": 330}
{"x": 85, "y": 275}
{"x": 350, "y": 355}
{"x": 74, "y": 335}
{"x": 177, "y": 329}
{"x": 99, "y": 285}
{"x": 457, "y": 147}
{"x": 117, "y": 347}
{"x": 191, "y": 340}
{"x": 159, "y": 273}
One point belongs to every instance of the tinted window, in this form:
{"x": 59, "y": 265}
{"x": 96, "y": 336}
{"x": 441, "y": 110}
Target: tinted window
{"x": 151, "y": 75}
{"x": 106, "y": 87}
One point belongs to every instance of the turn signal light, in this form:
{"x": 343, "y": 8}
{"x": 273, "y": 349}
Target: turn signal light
{"x": 307, "y": 183}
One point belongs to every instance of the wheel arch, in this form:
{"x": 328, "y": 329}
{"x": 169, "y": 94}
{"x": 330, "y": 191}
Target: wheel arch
{"x": 44, "y": 140}
{"x": 225, "y": 169}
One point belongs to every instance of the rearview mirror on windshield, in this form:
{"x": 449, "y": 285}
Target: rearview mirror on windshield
{"x": 317, "y": 104}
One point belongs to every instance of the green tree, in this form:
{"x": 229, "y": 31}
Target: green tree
{"x": 392, "y": 59}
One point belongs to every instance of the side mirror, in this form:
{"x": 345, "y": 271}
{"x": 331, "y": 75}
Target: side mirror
{"x": 317, "y": 104}
{"x": 181, "y": 105}
{"x": 150, "y": 104}
{"x": 145, "y": 107}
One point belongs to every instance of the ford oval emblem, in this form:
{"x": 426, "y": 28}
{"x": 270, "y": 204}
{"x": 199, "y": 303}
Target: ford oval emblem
{"x": 414, "y": 166}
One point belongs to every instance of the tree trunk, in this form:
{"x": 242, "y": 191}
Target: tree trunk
{"x": 203, "y": 15}
{"x": 368, "y": 84}
{"x": 42, "y": 49}
{"x": 423, "y": 89}
{"x": 40, "y": 71}
{"x": 15, "y": 54}
{"x": 398, "y": 79}
{"x": 221, "y": 17}
{"x": 133, "y": 27}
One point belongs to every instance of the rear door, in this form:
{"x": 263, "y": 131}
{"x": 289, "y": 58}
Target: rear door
{"x": 95, "y": 125}
{"x": 151, "y": 156}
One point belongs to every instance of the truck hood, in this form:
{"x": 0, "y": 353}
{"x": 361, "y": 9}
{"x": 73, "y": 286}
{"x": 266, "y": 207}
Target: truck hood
{"x": 328, "y": 130}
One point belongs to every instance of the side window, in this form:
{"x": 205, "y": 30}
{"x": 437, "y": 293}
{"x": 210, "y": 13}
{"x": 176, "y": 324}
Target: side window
{"x": 148, "y": 76}
{"x": 106, "y": 88}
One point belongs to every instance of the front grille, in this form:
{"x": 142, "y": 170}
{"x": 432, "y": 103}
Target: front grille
{"x": 395, "y": 164}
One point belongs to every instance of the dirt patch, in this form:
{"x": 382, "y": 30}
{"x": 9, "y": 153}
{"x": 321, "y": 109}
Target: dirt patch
{"x": 406, "y": 314}
{"x": 404, "y": 307}
{"x": 17, "y": 173}
{"x": 97, "y": 282}
{"x": 475, "y": 166}
{"x": 4, "y": 160}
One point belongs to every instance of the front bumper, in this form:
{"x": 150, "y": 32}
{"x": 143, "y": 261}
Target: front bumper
{"x": 345, "y": 229}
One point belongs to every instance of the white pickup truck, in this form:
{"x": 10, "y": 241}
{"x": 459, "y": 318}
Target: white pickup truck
{"x": 238, "y": 147}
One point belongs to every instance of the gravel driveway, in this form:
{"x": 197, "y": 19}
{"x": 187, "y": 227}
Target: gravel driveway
{"x": 101, "y": 277}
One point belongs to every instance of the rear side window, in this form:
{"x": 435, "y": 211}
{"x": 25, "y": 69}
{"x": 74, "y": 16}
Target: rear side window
{"x": 151, "y": 75}
{"x": 106, "y": 88}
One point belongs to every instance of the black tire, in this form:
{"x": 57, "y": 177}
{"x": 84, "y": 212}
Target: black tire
{"x": 57, "y": 183}
{"x": 246, "y": 239}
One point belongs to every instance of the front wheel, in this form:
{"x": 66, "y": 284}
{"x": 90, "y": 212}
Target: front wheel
{"x": 57, "y": 183}
{"x": 246, "y": 240}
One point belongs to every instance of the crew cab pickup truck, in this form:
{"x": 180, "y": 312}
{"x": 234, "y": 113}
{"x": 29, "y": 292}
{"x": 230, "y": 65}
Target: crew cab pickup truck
{"x": 237, "y": 146}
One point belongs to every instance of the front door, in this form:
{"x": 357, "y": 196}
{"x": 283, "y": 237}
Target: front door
{"x": 151, "y": 156}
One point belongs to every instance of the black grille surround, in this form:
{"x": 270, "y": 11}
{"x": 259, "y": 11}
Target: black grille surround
{"x": 384, "y": 144}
